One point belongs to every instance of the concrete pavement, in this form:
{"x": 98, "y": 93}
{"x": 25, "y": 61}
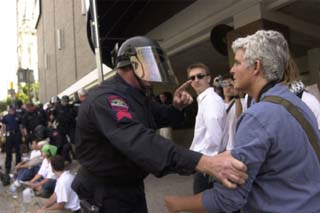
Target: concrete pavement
{"x": 156, "y": 189}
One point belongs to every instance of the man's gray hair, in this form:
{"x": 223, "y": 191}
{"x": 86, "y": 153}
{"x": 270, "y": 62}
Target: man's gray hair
{"x": 270, "y": 48}
{"x": 82, "y": 92}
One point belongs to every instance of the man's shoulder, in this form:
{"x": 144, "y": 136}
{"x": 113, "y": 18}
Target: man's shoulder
{"x": 65, "y": 178}
{"x": 308, "y": 97}
{"x": 212, "y": 96}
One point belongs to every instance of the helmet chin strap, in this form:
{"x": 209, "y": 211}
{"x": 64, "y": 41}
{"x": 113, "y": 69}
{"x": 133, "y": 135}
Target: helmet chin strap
{"x": 141, "y": 84}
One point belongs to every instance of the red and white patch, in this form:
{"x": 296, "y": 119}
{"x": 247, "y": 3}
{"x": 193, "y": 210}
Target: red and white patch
{"x": 120, "y": 106}
{"x": 55, "y": 133}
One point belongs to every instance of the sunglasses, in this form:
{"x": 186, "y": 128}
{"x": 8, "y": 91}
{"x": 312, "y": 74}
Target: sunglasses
{"x": 198, "y": 76}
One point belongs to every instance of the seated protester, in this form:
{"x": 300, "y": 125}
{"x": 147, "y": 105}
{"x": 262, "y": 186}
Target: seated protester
{"x": 26, "y": 170}
{"x": 63, "y": 198}
{"x": 45, "y": 180}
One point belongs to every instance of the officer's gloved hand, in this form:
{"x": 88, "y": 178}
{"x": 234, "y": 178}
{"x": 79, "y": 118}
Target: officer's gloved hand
{"x": 182, "y": 98}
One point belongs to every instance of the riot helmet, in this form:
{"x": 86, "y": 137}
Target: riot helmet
{"x": 18, "y": 103}
{"x": 40, "y": 133}
{"x": 65, "y": 100}
{"x": 55, "y": 100}
{"x": 148, "y": 60}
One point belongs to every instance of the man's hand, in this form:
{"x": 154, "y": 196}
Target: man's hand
{"x": 182, "y": 98}
{"x": 170, "y": 203}
{"x": 224, "y": 168}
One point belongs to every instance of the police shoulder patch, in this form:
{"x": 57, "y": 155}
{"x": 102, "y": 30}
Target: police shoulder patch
{"x": 120, "y": 106}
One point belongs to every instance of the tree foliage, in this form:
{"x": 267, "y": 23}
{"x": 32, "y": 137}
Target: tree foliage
{"x": 27, "y": 92}
{"x": 3, "y": 106}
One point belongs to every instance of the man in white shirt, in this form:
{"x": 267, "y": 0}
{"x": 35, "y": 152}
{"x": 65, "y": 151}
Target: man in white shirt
{"x": 27, "y": 169}
{"x": 64, "y": 199}
{"x": 44, "y": 181}
{"x": 298, "y": 88}
{"x": 210, "y": 120}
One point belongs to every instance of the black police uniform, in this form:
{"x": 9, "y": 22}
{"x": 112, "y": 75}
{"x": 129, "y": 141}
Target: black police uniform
{"x": 13, "y": 139}
{"x": 65, "y": 116}
{"x": 117, "y": 146}
{"x": 30, "y": 121}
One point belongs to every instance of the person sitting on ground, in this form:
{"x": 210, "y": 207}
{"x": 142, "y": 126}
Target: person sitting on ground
{"x": 64, "y": 198}
{"x": 26, "y": 170}
{"x": 45, "y": 180}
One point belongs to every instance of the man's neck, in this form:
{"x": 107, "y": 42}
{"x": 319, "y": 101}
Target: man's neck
{"x": 130, "y": 78}
{"x": 58, "y": 173}
{"x": 256, "y": 88}
{"x": 202, "y": 91}
{"x": 227, "y": 99}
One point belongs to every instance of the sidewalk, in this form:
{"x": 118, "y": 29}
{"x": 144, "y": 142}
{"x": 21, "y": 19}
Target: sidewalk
{"x": 156, "y": 189}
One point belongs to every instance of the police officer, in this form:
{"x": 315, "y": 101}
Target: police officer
{"x": 116, "y": 143}
{"x": 13, "y": 137}
{"x": 66, "y": 115}
{"x": 31, "y": 119}
{"x": 19, "y": 110}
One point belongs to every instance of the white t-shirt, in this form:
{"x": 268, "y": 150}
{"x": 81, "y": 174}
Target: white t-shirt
{"x": 232, "y": 122}
{"x": 312, "y": 102}
{"x": 210, "y": 124}
{"x": 65, "y": 193}
{"x": 35, "y": 153}
{"x": 45, "y": 170}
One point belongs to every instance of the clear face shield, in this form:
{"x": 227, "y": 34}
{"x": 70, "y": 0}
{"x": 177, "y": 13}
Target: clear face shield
{"x": 151, "y": 65}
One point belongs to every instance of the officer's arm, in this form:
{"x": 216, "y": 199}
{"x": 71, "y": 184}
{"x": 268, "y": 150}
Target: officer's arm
{"x": 228, "y": 170}
{"x": 166, "y": 115}
{"x": 139, "y": 143}
{"x": 24, "y": 131}
{"x": 3, "y": 129}
{"x": 24, "y": 125}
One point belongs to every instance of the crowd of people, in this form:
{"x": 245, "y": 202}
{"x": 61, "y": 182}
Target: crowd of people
{"x": 46, "y": 134}
{"x": 255, "y": 146}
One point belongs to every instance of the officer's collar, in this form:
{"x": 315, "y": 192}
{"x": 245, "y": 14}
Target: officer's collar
{"x": 132, "y": 88}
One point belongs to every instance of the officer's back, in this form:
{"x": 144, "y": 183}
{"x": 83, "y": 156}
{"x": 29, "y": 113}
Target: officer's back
{"x": 92, "y": 147}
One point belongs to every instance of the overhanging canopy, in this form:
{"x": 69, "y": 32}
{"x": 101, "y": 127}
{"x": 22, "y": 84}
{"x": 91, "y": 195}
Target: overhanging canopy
{"x": 122, "y": 19}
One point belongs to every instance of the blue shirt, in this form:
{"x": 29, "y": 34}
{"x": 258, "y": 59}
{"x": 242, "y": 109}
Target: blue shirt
{"x": 11, "y": 122}
{"x": 283, "y": 169}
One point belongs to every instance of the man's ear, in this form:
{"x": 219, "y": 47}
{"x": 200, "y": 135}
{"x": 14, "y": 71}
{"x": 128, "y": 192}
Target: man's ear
{"x": 257, "y": 67}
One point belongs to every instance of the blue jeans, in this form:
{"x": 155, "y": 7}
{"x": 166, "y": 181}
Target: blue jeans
{"x": 26, "y": 174}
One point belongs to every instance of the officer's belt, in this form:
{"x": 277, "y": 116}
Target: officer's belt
{"x": 105, "y": 180}
{"x": 12, "y": 132}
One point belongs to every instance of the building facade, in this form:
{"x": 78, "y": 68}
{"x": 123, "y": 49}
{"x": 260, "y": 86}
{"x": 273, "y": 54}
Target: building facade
{"x": 66, "y": 62}
{"x": 27, "y": 50}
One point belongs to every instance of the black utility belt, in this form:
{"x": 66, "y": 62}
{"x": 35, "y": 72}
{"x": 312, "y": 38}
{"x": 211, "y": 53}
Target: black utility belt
{"x": 11, "y": 132}
{"x": 109, "y": 181}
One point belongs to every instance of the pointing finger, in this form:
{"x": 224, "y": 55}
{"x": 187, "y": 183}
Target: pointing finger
{"x": 184, "y": 86}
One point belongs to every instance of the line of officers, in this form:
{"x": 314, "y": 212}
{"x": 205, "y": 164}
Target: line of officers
{"x": 22, "y": 125}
